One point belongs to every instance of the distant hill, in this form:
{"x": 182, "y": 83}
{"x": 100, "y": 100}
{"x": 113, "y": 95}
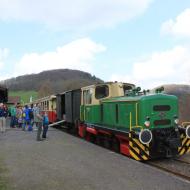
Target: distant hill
{"x": 183, "y": 94}
{"x": 56, "y": 80}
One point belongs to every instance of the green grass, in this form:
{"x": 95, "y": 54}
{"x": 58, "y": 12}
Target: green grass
{"x": 25, "y": 95}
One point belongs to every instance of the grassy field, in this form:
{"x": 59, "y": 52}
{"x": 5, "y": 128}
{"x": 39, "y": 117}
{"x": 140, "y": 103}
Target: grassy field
{"x": 25, "y": 95}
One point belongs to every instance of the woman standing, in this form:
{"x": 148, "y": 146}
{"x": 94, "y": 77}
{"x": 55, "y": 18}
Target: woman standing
{"x": 3, "y": 115}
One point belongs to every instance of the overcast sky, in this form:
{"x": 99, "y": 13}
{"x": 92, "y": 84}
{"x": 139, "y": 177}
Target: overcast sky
{"x": 146, "y": 42}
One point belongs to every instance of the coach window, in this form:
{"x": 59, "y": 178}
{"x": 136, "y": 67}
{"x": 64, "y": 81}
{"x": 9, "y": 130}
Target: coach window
{"x": 101, "y": 91}
{"x": 87, "y": 97}
{"x": 47, "y": 105}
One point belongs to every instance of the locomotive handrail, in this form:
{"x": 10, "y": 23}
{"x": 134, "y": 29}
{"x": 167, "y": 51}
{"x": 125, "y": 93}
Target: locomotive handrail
{"x": 137, "y": 126}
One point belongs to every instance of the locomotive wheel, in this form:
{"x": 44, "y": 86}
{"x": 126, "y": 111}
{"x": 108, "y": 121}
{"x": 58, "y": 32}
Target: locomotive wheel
{"x": 99, "y": 140}
{"x": 107, "y": 143}
{"x": 92, "y": 138}
{"x": 116, "y": 145}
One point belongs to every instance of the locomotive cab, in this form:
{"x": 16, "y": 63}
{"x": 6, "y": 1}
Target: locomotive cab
{"x": 93, "y": 95}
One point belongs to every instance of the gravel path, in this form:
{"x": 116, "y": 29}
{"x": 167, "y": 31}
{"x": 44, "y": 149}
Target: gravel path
{"x": 64, "y": 162}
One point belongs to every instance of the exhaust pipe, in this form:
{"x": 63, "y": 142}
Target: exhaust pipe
{"x": 185, "y": 130}
{"x": 145, "y": 136}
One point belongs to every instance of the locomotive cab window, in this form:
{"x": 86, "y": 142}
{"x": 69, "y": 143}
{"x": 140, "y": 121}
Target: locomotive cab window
{"x": 87, "y": 96}
{"x": 101, "y": 91}
{"x": 126, "y": 89}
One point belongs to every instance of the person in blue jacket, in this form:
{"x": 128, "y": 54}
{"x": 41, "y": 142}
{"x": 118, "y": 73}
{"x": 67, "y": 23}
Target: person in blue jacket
{"x": 26, "y": 118}
{"x": 45, "y": 125}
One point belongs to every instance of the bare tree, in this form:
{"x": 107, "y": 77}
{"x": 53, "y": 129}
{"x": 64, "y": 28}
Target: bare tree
{"x": 45, "y": 89}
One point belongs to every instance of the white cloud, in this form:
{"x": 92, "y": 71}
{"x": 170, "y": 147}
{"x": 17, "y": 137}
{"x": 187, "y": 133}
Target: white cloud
{"x": 171, "y": 66}
{"x": 74, "y": 13}
{"x": 78, "y": 54}
{"x": 180, "y": 26}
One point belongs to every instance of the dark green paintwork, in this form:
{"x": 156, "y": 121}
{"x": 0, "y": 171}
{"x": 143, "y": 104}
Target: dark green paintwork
{"x": 120, "y": 119}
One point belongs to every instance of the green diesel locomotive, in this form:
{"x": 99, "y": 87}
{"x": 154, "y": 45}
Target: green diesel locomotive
{"x": 138, "y": 124}
{"x": 141, "y": 125}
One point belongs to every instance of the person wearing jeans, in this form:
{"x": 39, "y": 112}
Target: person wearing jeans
{"x": 45, "y": 125}
{"x": 38, "y": 119}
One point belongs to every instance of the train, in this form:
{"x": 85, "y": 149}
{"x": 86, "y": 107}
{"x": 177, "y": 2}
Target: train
{"x": 3, "y": 94}
{"x": 142, "y": 125}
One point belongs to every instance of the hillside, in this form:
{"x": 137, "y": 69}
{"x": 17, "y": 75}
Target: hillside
{"x": 183, "y": 94}
{"x": 54, "y": 80}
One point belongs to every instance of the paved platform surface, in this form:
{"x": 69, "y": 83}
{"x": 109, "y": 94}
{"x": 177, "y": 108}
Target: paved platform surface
{"x": 64, "y": 162}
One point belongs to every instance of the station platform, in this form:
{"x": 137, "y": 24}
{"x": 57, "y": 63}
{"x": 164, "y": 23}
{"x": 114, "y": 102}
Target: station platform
{"x": 65, "y": 162}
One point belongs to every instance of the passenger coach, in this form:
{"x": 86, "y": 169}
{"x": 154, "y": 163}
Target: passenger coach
{"x": 48, "y": 104}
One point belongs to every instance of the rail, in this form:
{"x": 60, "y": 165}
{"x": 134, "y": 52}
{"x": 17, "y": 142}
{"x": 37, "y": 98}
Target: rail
{"x": 175, "y": 167}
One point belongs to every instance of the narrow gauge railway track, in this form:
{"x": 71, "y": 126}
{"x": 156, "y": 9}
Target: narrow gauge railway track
{"x": 176, "y": 167}
{"x": 182, "y": 161}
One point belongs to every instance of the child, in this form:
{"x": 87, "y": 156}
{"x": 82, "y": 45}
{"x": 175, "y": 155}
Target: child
{"x": 45, "y": 125}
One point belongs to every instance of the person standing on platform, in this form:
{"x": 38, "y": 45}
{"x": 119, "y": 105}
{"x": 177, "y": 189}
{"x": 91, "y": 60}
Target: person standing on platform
{"x": 3, "y": 115}
{"x": 45, "y": 125}
{"x": 26, "y": 118}
{"x": 31, "y": 115}
{"x": 19, "y": 115}
{"x": 38, "y": 119}
{"x": 13, "y": 116}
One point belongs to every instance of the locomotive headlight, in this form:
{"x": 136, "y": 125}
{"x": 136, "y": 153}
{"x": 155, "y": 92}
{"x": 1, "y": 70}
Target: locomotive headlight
{"x": 176, "y": 121}
{"x": 147, "y": 123}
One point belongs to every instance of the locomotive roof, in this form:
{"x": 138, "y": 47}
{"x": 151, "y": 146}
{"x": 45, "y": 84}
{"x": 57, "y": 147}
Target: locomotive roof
{"x": 108, "y": 83}
{"x": 61, "y": 93}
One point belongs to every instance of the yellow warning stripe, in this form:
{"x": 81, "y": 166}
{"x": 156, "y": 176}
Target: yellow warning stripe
{"x": 139, "y": 144}
{"x": 139, "y": 149}
{"x": 188, "y": 143}
{"x": 144, "y": 157}
{"x": 133, "y": 155}
{"x": 185, "y": 146}
{"x": 136, "y": 154}
{"x": 184, "y": 140}
{"x": 182, "y": 151}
